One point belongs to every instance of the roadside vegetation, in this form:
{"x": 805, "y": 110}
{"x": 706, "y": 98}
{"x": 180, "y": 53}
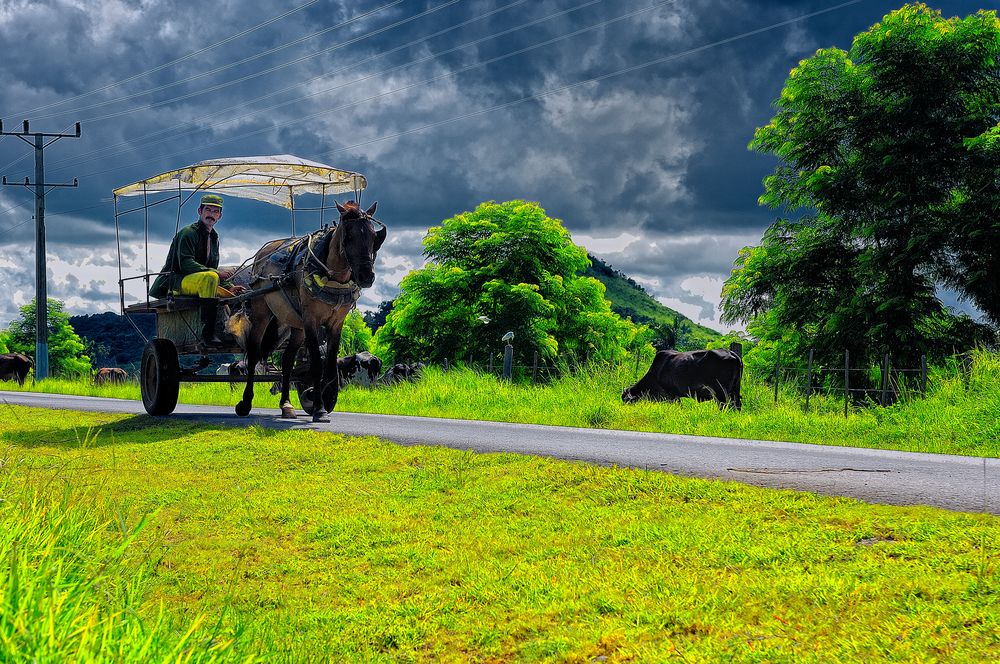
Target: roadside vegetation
{"x": 304, "y": 545}
{"x": 961, "y": 414}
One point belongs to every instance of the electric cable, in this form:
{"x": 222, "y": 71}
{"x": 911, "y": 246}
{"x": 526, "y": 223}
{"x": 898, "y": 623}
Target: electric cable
{"x": 169, "y": 131}
{"x": 244, "y": 61}
{"x": 403, "y": 88}
{"x": 595, "y": 79}
{"x": 190, "y": 55}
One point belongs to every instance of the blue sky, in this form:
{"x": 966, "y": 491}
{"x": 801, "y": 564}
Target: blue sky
{"x": 442, "y": 104}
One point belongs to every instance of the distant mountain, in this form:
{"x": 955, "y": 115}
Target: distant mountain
{"x": 630, "y": 300}
{"x": 111, "y": 340}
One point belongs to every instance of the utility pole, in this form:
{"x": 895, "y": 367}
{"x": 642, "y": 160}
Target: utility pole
{"x": 41, "y": 289}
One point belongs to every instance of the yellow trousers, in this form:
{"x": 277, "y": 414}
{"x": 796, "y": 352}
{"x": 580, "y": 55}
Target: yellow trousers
{"x": 204, "y": 284}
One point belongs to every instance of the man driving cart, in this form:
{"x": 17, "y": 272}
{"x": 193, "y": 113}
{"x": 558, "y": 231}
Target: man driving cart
{"x": 192, "y": 266}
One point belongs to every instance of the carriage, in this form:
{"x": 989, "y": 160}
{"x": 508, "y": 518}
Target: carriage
{"x": 276, "y": 180}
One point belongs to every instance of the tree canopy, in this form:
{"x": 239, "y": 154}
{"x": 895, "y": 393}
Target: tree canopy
{"x": 67, "y": 356}
{"x": 504, "y": 267}
{"x": 891, "y": 152}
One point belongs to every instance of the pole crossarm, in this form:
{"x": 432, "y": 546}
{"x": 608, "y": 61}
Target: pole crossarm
{"x": 26, "y": 131}
{"x": 27, "y": 183}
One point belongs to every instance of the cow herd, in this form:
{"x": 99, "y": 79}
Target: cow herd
{"x": 700, "y": 374}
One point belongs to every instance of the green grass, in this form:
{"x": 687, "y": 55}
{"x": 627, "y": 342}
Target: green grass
{"x": 960, "y": 416}
{"x": 306, "y": 546}
{"x": 72, "y": 584}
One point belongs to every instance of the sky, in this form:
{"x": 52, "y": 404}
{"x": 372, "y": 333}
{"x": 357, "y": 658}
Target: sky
{"x": 626, "y": 119}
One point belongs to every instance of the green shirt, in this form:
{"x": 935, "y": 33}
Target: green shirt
{"x": 193, "y": 249}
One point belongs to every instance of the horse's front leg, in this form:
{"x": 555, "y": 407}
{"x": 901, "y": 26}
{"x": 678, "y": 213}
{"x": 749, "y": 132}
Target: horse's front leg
{"x": 254, "y": 342}
{"x": 287, "y": 364}
{"x": 331, "y": 388}
{"x": 316, "y": 374}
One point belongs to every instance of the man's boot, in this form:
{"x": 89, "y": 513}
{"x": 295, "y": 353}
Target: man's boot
{"x": 209, "y": 316}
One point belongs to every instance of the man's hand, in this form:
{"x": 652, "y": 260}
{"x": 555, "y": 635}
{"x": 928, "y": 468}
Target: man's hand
{"x": 225, "y": 274}
{"x": 237, "y": 289}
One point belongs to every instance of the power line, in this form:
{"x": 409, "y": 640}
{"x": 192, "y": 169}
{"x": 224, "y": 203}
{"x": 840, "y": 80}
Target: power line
{"x": 63, "y": 213}
{"x": 403, "y": 88}
{"x": 595, "y": 79}
{"x": 8, "y": 230}
{"x": 170, "y": 130}
{"x": 244, "y": 61}
{"x": 171, "y": 63}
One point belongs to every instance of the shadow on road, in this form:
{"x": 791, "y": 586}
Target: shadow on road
{"x": 140, "y": 430}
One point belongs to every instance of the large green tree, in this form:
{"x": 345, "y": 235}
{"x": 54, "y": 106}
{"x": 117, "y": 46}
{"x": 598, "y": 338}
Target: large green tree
{"x": 504, "y": 267}
{"x": 891, "y": 154}
{"x": 67, "y": 352}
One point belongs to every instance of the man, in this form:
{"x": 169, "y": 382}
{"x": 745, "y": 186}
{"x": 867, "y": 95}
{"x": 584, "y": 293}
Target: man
{"x": 192, "y": 266}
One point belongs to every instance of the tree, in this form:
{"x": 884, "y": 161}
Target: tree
{"x": 355, "y": 335}
{"x": 893, "y": 153}
{"x": 376, "y": 319}
{"x": 504, "y": 267}
{"x": 67, "y": 356}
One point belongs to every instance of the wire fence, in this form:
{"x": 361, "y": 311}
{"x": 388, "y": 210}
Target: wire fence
{"x": 882, "y": 384}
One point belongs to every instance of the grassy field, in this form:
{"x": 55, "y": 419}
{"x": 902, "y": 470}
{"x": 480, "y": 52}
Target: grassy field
{"x": 228, "y": 544}
{"x": 960, "y": 416}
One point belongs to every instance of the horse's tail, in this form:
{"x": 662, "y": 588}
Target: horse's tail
{"x": 238, "y": 325}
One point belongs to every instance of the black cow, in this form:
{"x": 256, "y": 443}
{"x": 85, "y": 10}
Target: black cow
{"x": 15, "y": 366}
{"x": 350, "y": 365}
{"x": 701, "y": 374}
{"x": 401, "y": 371}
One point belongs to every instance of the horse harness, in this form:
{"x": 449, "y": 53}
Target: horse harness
{"x": 297, "y": 254}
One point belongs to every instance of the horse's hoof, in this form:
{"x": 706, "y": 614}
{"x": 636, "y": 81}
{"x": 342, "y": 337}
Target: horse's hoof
{"x": 242, "y": 409}
{"x": 288, "y": 412}
{"x": 320, "y": 416}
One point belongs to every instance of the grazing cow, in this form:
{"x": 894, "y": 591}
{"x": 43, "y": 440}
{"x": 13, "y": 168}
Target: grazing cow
{"x": 15, "y": 366}
{"x": 110, "y": 375}
{"x": 701, "y": 374}
{"x": 349, "y": 366}
{"x": 400, "y": 372}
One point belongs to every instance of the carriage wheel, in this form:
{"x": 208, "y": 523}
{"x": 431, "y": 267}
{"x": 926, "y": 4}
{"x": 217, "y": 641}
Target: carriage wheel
{"x": 159, "y": 377}
{"x": 305, "y": 399}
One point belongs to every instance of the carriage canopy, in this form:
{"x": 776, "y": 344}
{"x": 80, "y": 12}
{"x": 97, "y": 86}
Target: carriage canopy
{"x": 275, "y": 179}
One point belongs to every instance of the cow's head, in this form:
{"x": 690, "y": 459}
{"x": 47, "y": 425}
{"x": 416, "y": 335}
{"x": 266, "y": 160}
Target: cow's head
{"x": 637, "y": 393}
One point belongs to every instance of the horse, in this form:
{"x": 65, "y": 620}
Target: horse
{"x": 319, "y": 279}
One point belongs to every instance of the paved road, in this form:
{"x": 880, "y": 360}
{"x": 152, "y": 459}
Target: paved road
{"x": 968, "y": 484}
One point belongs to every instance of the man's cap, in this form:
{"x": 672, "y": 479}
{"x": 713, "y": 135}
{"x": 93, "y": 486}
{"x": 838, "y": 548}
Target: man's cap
{"x": 212, "y": 199}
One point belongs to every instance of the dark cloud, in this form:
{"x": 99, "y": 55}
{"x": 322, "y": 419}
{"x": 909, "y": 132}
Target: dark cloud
{"x": 659, "y": 152}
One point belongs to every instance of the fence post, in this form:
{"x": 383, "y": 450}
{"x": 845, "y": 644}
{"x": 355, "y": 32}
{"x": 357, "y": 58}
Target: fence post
{"x": 885, "y": 380}
{"x": 847, "y": 379}
{"x": 777, "y": 370}
{"x": 809, "y": 378}
{"x": 637, "y": 351}
{"x": 489, "y": 365}
{"x": 446, "y": 365}
{"x": 508, "y": 361}
{"x": 534, "y": 369}
{"x": 923, "y": 376}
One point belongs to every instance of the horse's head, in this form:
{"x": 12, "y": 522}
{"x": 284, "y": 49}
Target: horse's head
{"x": 359, "y": 241}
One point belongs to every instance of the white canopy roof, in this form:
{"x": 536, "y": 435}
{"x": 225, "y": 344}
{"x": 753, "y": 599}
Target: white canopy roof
{"x": 275, "y": 179}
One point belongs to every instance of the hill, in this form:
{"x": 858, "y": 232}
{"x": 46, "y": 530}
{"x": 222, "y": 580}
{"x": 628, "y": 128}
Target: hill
{"x": 111, "y": 340}
{"x": 630, "y": 300}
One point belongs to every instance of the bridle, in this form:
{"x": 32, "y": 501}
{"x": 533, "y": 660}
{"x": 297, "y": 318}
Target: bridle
{"x": 339, "y": 232}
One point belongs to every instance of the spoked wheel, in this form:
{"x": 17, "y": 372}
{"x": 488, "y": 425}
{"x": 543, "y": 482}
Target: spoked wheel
{"x": 159, "y": 377}
{"x": 305, "y": 397}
